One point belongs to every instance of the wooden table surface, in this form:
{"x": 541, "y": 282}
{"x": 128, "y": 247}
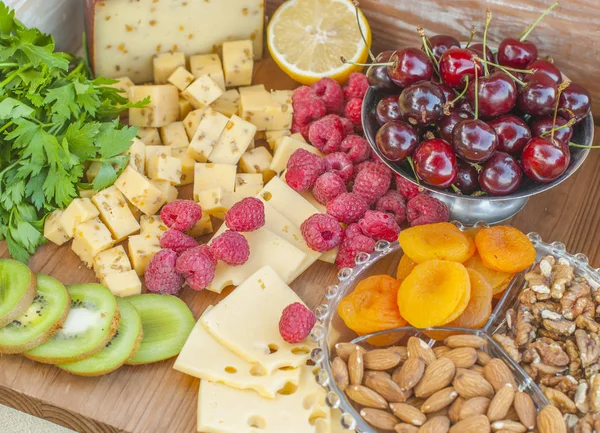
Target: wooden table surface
{"x": 155, "y": 398}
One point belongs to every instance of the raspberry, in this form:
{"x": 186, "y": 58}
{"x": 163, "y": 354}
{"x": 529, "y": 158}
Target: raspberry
{"x": 246, "y": 215}
{"x": 197, "y": 265}
{"x": 331, "y": 94}
{"x": 357, "y": 86}
{"x": 347, "y": 208}
{"x": 379, "y": 167}
{"x": 353, "y": 111}
{"x": 379, "y": 225}
{"x": 181, "y": 214}
{"x": 326, "y": 134}
{"x": 321, "y": 232}
{"x": 327, "y": 187}
{"x": 296, "y": 322}
{"x": 406, "y": 187}
{"x": 394, "y": 204}
{"x": 424, "y": 209}
{"x": 347, "y": 126}
{"x": 303, "y": 169}
{"x": 307, "y": 105}
{"x": 352, "y": 231}
{"x": 161, "y": 276}
{"x": 371, "y": 184}
{"x": 356, "y": 147}
{"x": 350, "y": 247}
{"x": 177, "y": 241}
{"x": 302, "y": 129}
{"x": 340, "y": 164}
{"x": 230, "y": 247}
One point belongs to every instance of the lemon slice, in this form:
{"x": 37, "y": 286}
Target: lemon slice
{"x": 307, "y": 38}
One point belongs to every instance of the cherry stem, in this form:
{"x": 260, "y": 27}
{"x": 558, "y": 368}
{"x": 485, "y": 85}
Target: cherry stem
{"x": 561, "y": 87}
{"x": 473, "y": 31}
{"x": 476, "y": 166}
{"x": 456, "y": 189}
{"x": 476, "y": 91}
{"x": 450, "y": 104}
{"x": 412, "y": 166}
{"x": 488, "y": 19}
{"x": 558, "y": 128}
{"x": 362, "y": 35}
{"x": 427, "y": 46}
{"x": 343, "y": 59}
{"x": 504, "y": 69}
{"x": 526, "y": 33}
{"x": 582, "y": 146}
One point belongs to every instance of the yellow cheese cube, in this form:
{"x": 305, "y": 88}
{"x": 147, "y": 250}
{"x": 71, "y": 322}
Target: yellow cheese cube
{"x": 92, "y": 171}
{"x": 141, "y": 250}
{"x": 207, "y": 176}
{"x": 53, "y": 230}
{"x": 174, "y": 135}
{"x": 91, "y": 238}
{"x": 187, "y": 166}
{"x": 149, "y": 136}
{"x": 181, "y": 78}
{"x": 258, "y": 107}
{"x": 287, "y": 147}
{"x": 202, "y": 92}
{"x": 164, "y": 168}
{"x": 139, "y": 191}
{"x": 247, "y": 179}
{"x": 168, "y": 190}
{"x": 192, "y": 120}
{"x": 233, "y": 142}
{"x": 202, "y": 227}
{"x": 111, "y": 261}
{"x": 165, "y": 64}
{"x": 115, "y": 213}
{"x": 254, "y": 88}
{"x": 208, "y": 64}
{"x": 281, "y": 117}
{"x": 210, "y": 200}
{"x": 210, "y": 129}
{"x": 78, "y": 211}
{"x": 159, "y": 151}
{"x": 257, "y": 161}
{"x": 153, "y": 226}
{"x": 238, "y": 63}
{"x": 137, "y": 155}
{"x": 185, "y": 108}
{"x": 124, "y": 284}
{"x": 85, "y": 193}
{"x": 124, "y": 84}
{"x": 275, "y": 137}
{"x": 228, "y": 103}
{"x": 162, "y": 110}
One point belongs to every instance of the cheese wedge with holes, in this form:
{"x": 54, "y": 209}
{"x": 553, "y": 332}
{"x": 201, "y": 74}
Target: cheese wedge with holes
{"x": 233, "y": 142}
{"x": 287, "y": 201}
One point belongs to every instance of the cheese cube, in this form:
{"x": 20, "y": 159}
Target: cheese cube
{"x": 210, "y": 129}
{"x": 164, "y": 168}
{"x": 149, "y": 136}
{"x": 258, "y": 108}
{"x": 162, "y": 110}
{"x": 287, "y": 201}
{"x": 79, "y": 210}
{"x": 254, "y": 88}
{"x": 238, "y": 63}
{"x": 168, "y": 190}
{"x": 137, "y": 155}
{"x": 53, "y": 230}
{"x": 124, "y": 84}
{"x": 233, "y": 142}
{"x": 153, "y": 226}
{"x": 207, "y": 176}
{"x": 281, "y": 117}
{"x": 174, "y": 135}
{"x": 181, "y": 78}
{"x": 275, "y": 137}
{"x": 124, "y": 284}
{"x": 287, "y": 147}
{"x": 92, "y": 171}
{"x": 257, "y": 161}
{"x": 85, "y": 193}
{"x": 210, "y": 201}
{"x": 249, "y": 190}
{"x": 185, "y": 108}
{"x": 192, "y": 120}
{"x": 111, "y": 261}
{"x": 165, "y": 64}
{"x": 228, "y": 199}
{"x": 134, "y": 210}
{"x": 228, "y": 103}
{"x": 139, "y": 191}
{"x": 141, "y": 250}
{"x": 202, "y": 92}
{"x": 91, "y": 238}
{"x": 158, "y": 151}
{"x": 115, "y": 213}
{"x": 208, "y": 64}
{"x": 202, "y": 227}
{"x": 247, "y": 179}
{"x": 187, "y": 166}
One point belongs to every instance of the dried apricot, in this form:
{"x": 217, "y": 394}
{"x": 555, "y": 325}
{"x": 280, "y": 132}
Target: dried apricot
{"x": 505, "y": 249}
{"x": 435, "y": 293}
{"x": 405, "y": 267}
{"x": 441, "y": 241}
{"x": 498, "y": 280}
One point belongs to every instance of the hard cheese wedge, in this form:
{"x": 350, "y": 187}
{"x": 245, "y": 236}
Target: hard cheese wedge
{"x": 260, "y": 301}
{"x": 287, "y": 201}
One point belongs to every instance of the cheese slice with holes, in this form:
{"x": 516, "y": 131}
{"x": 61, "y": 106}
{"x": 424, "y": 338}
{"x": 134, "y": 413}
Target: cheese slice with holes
{"x": 287, "y": 201}
{"x": 222, "y": 409}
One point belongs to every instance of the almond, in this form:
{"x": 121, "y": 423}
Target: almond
{"x": 382, "y": 383}
{"x": 379, "y": 418}
{"x": 417, "y": 348}
{"x": 477, "y": 369}
{"x": 400, "y": 350}
{"x": 381, "y": 359}
{"x": 454, "y": 411}
{"x": 439, "y": 400}
{"x": 501, "y": 403}
{"x": 442, "y": 412}
{"x": 469, "y": 384}
{"x": 550, "y": 420}
{"x": 525, "y": 408}
{"x": 473, "y": 407}
{"x": 437, "y": 424}
{"x": 415, "y": 402}
{"x": 509, "y": 426}
{"x": 366, "y": 397}
{"x": 438, "y": 375}
{"x": 410, "y": 373}
{"x": 465, "y": 340}
{"x": 340, "y": 373}
{"x": 463, "y": 357}
{"x": 405, "y": 428}
{"x": 344, "y": 350}
{"x": 441, "y": 350}
{"x": 356, "y": 367}
{"x": 498, "y": 374}
{"x": 409, "y": 414}
{"x": 473, "y": 424}
{"x": 483, "y": 358}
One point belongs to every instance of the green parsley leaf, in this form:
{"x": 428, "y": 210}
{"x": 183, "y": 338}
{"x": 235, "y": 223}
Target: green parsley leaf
{"x": 11, "y": 108}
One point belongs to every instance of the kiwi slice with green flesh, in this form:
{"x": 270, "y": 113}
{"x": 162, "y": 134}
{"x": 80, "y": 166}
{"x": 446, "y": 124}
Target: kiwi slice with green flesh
{"x": 167, "y": 324}
{"x": 17, "y": 289}
{"x": 122, "y": 346}
{"x": 92, "y": 322}
{"x": 46, "y": 315}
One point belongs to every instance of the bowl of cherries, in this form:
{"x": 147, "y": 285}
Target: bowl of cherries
{"x": 481, "y": 132}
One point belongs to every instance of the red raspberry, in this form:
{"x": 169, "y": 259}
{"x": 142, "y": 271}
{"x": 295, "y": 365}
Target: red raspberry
{"x": 161, "y": 276}
{"x": 246, "y": 215}
{"x": 356, "y": 147}
{"x": 353, "y": 111}
{"x": 394, "y": 204}
{"x": 407, "y": 188}
{"x": 340, "y": 164}
{"x": 347, "y": 125}
{"x": 321, "y": 232}
{"x": 326, "y": 134}
{"x": 357, "y": 86}
{"x": 370, "y": 185}
{"x": 352, "y": 231}
{"x": 327, "y": 187}
{"x": 350, "y": 247}
{"x": 379, "y": 167}
{"x": 296, "y": 322}
{"x": 331, "y": 94}
{"x": 379, "y": 225}
{"x": 181, "y": 214}
{"x": 197, "y": 265}
{"x": 307, "y": 106}
{"x": 177, "y": 241}
{"x": 302, "y": 129}
{"x": 230, "y": 247}
{"x": 303, "y": 169}
{"x": 347, "y": 208}
{"x": 424, "y": 209}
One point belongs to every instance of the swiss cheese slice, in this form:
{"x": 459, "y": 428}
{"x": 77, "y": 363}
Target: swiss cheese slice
{"x": 287, "y": 201}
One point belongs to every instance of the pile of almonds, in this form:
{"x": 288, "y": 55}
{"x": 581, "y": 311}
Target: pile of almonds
{"x": 456, "y": 387}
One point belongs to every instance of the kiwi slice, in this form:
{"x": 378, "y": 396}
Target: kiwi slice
{"x": 91, "y": 324}
{"x": 46, "y": 314}
{"x": 167, "y": 324}
{"x": 122, "y": 346}
{"x": 17, "y": 289}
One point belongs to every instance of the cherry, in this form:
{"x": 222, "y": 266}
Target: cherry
{"x": 539, "y": 95}
{"x": 544, "y": 126}
{"x": 447, "y": 123}
{"x": 513, "y": 133}
{"x": 439, "y": 44}
{"x": 447, "y": 91}
{"x": 545, "y": 67}
{"x": 409, "y": 65}
{"x": 478, "y": 49}
{"x": 474, "y": 140}
{"x": 500, "y": 175}
{"x": 377, "y": 75}
{"x": 435, "y": 163}
{"x": 397, "y": 140}
{"x": 516, "y": 54}
{"x": 456, "y": 64}
{"x": 464, "y": 106}
{"x": 544, "y": 161}
{"x": 497, "y": 94}
{"x": 422, "y": 103}
{"x": 466, "y": 178}
{"x": 574, "y": 99}
{"x": 388, "y": 110}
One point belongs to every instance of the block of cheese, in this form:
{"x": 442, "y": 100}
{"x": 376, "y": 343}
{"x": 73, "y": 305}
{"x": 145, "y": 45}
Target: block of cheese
{"x": 208, "y": 64}
{"x": 228, "y": 103}
{"x": 281, "y": 118}
{"x": 149, "y": 136}
{"x": 85, "y": 193}
{"x": 53, "y": 230}
{"x": 257, "y": 107}
{"x": 123, "y": 35}
{"x": 275, "y": 137}
{"x": 111, "y": 261}
{"x": 137, "y": 155}
{"x": 124, "y": 284}
{"x": 90, "y": 238}
{"x": 192, "y": 120}
{"x": 161, "y": 151}
{"x": 207, "y": 176}
{"x": 92, "y": 171}
{"x": 79, "y": 210}
{"x": 209, "y": 130}
{"x": 123, "y": 84}
{"x": 248, "y": 183}
{"x": 287, "y": 201}
{"x": 115, "y": 213}
{"x": 202, "y": 227}
{"x": 141, "y": 249}
{"x": 238, "y": 63}
{"x": 181, "y": 78}
{"x": 162, "y": 109}
{"x": 285, "y": 149}
{"x": 152, "y": 225}
{"x": 202, "y": 92}
{"x": 164, "y": 168}
{"x": 187, "y": 165}
{"x": 185, "y": 108}
{"x": 233, "y": 142}
{"x": 211, "y": 201}
{"x": 222, "y": 409}
{"x": 164, "y": 64}
{"x": 174, "y": 135}
{"x": 139, "y": 191}
{"x": 170, "y": 193}
{"x": 257, "y": 160}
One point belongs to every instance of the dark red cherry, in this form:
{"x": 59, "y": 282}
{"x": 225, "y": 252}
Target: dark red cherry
{"x": 388, "y": 110}
{"x": 513, "y": 133}
{"x": 439, "y": 44}
{"x": 456, "y": 64}
{"x": 435, "y": 163}
{"x": 575, "y": 99}
{"x": 544, "y": 124}
{"x": 447, "y": 123}
{"x": 478, "y": 49}
{"x": 422, "y": 103}
{"x": 466, "y": 177}
{"x": 497, "y": 94}
{"x": 538, "y": 96}
{"x": 474, "y": 140}
{"x": 447, "y": 91}
{"x": 378, "y": 76}
{"x": 465, "y": 106}
{"x": 543, "y": 161}
{"x": 545, "y": 67}
{"x": 397, "y": 140}
{"x": 500, "y": 175}
{"x": 516, "y": 54}
{"x": 409, "y": 66}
